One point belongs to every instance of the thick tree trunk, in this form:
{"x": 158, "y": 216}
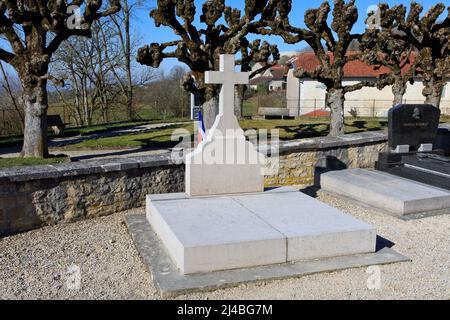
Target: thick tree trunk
{"x": 35, "y": 131}
{"x": 210, "y": 109}
{"x": 335, "y": 101}
{"x": 399, "y": 90}
{"x": 239, "y": 101}
{"x": 433, "y": 95}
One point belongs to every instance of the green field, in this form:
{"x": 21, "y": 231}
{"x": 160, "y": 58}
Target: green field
{"x": 312, "y": 127}
{"x": 158, "y": 138}
{"x": 20, "y": 162}
{"x": 83, "y": 131}
{"x": 288, "y": 130}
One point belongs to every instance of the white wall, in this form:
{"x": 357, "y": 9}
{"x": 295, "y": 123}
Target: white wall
{"x": 367, "y": 101}
{"x": 276, "y": 85}
{"x": 258, "y": 66}
{"x": 293, "y": 94}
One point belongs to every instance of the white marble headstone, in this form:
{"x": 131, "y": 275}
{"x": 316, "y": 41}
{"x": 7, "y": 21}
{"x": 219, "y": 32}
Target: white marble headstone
{"x": 225, "y": 163}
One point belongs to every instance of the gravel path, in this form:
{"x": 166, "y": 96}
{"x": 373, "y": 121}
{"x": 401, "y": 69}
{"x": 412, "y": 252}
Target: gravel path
{"x": 37, "y": 264}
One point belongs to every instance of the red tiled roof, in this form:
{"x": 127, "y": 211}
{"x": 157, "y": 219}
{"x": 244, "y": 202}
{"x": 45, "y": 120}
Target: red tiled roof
{"x": 279, "y": 72}
{"x": 318, "y": 113}
{"x": 260, "y": 80}
{"x": 353, "y": 69}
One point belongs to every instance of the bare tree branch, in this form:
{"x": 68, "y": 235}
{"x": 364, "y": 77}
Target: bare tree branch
{"x": 199, "y": 48}
{"x": 36, "y": 21}
{"x": 7, "y": 56}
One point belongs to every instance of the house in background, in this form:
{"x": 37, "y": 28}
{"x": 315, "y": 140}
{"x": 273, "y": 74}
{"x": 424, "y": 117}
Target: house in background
{"x": 306, "y": 96}
{"x": 274, "y": 78}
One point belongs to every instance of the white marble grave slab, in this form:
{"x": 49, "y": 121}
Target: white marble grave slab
{"x": 204, "y": 234}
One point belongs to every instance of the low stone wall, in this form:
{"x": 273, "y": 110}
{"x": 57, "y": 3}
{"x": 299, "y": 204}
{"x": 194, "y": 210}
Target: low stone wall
{"x": 31, "y": 197}
{"x": 301, "y": 162}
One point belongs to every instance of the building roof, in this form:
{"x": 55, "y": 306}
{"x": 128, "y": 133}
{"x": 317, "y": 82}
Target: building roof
{"x": 276, "y": 73}
{"x": 279, "y": 72}
{"x": 353, "y": 69}
{"x": 260, "y": 80}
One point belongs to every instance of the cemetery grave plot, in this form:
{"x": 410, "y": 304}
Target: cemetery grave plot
{"x": 412, "y": 132}
{"x": 413, "y": 177}
{"x": 225, "y": 229}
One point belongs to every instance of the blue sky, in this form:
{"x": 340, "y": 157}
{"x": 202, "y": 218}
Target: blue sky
{"x": 145, "y": 26}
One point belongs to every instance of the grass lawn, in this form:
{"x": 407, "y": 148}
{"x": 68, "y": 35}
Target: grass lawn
{"x": 312, "y": 127}
{"x": 84, "y": 131}
{"x": 87, "y": 130}
{"x": 20, "y": 162}
{"x": 288, "y": 130}
{"x": 11, "y": 141}
{"x": 249, "y": 108}
{"x": 158, "y": 138}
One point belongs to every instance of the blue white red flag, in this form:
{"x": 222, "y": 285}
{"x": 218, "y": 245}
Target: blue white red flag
{"x": 201, "y": 136}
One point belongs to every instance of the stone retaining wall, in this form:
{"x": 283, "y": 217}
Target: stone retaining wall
{"x": 301, "y": 162}
{"x": 46, "y": 195}
{"x": 32, "y": 197}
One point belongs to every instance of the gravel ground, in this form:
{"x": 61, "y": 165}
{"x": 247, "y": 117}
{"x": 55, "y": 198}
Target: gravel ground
{"x": 40, "y": 264}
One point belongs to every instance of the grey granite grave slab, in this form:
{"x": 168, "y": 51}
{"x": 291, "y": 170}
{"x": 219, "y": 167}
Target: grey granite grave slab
{"x": 170, "y": 282}
{"x": 395, "y": 195}
{"x": 204, "y": 234}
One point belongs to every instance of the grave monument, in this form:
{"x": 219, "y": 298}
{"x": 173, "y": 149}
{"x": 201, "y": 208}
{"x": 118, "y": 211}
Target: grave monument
{"x": 412, "y": 132}
{"x": 225, "y": 220}
{"x": 411, "y": 177}
{"x": 225, "y": 229}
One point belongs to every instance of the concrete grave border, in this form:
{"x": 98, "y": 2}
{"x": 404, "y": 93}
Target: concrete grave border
{"x": 348, "y": 182}
{"x": 412, "y": 216}
{"x": 170, "y": 282}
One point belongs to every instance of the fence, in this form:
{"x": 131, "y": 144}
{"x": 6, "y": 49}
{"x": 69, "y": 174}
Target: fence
{"x": 11, "y": 123}
{"x": 359, "y": 108}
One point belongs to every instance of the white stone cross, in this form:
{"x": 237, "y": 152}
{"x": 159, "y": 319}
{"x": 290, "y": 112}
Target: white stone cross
{"x": 228, "y": 78}
{"x": 225, "y": 162}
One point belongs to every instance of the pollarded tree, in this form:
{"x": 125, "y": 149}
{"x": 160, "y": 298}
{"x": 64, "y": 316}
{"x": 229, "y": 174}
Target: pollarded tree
{"x": 382, "y": 49}
{"x": 34, "y": 29}
{"x": 252, "y": 53}
{"x": 430, "y": 36}
{"x": 332, "y": 47}
{"x": 200, "y": 49}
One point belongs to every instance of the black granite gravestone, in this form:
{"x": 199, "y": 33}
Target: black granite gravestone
{"x": 426, "y": 168}
{"x": 413, "y": 125}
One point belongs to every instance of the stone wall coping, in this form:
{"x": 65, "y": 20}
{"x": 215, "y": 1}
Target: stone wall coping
{"x": 17, "y": 174}
{"x": 72, "y": 169}
{"x": 317, "y": 143}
